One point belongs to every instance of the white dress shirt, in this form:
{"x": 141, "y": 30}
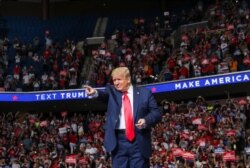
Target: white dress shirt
{"x": 121, "y": 124}
{"x": 122, "y": 117}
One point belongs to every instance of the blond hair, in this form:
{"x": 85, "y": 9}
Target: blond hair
{"x": 121, "y": 71}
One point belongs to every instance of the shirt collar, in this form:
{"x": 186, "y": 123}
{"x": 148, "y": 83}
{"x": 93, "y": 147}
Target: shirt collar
{"x": 130, "y": 89}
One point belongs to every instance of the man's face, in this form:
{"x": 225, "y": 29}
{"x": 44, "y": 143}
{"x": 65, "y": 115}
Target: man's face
{"x": 121, "y": 83}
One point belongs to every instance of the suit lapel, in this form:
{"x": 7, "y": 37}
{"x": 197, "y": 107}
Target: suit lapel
{"x": 119, "y": 102}
{"x": 136, "y": 96}
{"x": 117, "y": 98}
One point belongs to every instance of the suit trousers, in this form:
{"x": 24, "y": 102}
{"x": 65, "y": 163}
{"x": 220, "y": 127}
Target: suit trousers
{"x": 127, "y": 154}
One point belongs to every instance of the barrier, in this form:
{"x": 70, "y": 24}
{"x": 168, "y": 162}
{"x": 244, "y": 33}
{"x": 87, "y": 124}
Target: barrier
{"x": 201, "y": 83}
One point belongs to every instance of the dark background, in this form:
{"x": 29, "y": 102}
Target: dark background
{"x": 78, "y": 7}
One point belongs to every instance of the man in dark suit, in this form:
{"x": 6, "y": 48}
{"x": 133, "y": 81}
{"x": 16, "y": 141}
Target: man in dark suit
{"x": 131, "y": 112}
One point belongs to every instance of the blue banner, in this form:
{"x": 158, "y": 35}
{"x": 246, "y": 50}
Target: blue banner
{"x": 194, "y": 83}
{"x": 43, "y": 96}
{"x": 202, "y": 82}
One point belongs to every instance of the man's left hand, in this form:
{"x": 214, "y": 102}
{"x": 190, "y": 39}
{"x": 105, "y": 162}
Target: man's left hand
{"x": 141, "y": 123}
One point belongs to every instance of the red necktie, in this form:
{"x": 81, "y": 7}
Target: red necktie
{"x": 130, "y": 132}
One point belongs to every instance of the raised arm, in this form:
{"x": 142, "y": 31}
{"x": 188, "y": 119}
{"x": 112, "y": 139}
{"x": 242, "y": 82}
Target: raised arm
{"x": 89, "y": 90}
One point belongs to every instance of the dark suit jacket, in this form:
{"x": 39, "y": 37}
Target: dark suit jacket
{"x": 144, "y": 106}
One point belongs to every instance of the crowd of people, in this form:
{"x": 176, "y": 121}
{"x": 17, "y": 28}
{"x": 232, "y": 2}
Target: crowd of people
{"x": 148, "y": 49}
{"x": 221, "y": 46}
{"x": 195, "y": 134}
